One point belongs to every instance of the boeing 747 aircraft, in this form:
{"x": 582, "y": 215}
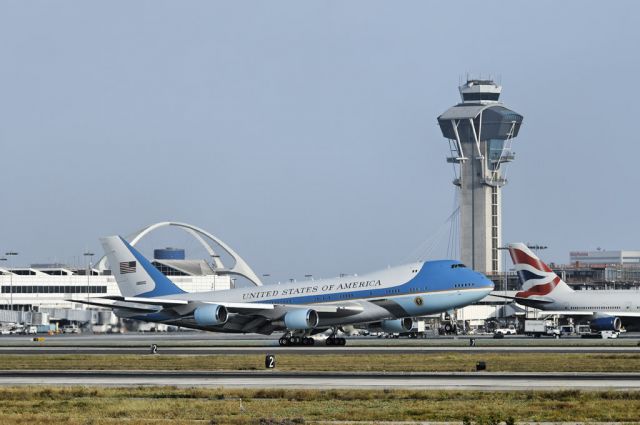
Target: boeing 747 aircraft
{"x": 545, "y": 290}
{"x": 385, "y": 300}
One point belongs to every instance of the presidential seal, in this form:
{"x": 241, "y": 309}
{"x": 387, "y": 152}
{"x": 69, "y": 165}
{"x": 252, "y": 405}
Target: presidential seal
{"x": 419, "y": 301}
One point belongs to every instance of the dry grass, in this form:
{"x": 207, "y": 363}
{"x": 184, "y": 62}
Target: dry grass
{"x": 78, "y": 405}
{"x": 350, "y": 361}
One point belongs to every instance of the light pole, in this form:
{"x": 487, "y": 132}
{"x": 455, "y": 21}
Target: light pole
{"x": 10, "y": 254}
{"x": 88, "y": 255}
{"x": 3, "y": 259}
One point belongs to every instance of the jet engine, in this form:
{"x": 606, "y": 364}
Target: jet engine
{"x": 301, "y": 319}
{"x": 397, "y": 325}
{"x": 211, "y": 315}
{"x": 606, "y": 323}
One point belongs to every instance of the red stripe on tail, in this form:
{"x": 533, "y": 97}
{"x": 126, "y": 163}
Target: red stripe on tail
{"x": 520, "y": 257}
{"x": 542, "y": 289}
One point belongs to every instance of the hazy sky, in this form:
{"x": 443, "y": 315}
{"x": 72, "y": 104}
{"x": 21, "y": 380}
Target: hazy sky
{"x": 304, "y": 134}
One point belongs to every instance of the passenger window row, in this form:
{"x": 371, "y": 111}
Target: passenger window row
{"x": 595, "y": 308}
{"x": 53, "y": 289}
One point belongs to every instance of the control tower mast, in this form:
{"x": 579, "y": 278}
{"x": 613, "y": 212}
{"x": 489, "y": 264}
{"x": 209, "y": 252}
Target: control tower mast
{"x": 480, "y": 131}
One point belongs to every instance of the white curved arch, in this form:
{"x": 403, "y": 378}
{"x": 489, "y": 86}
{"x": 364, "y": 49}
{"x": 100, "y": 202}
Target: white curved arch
{"x": 240, "y": 268}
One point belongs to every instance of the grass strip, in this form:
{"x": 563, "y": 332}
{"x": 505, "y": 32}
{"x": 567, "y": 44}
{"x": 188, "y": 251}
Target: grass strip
{"x": 87, "y": 405}
{"x": 349, "y": 361}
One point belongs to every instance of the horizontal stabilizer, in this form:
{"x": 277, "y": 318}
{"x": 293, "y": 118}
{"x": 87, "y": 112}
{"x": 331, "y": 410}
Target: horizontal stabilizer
{"x": 156, "y": 301}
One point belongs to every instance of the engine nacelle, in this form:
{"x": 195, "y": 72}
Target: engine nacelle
{"x": 211, "y": 315}
{"x": 397, "y": 325}
{"x": 606, "y": 323}
{"x": 301, "y": 319}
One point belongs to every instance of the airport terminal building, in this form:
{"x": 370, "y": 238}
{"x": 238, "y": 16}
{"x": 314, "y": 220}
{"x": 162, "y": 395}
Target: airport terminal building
{"x": 45, "y": 292}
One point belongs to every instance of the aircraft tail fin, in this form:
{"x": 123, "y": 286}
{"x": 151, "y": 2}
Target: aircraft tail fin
{"x": 135, "y": 275}
{"x": 536, "y": 277}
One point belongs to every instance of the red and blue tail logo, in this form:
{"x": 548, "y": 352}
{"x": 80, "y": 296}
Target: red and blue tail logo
{"x": 536, "y": 277}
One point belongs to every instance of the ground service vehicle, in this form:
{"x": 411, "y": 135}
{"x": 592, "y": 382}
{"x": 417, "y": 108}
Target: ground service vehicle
{"x": 509, "y": 330}
{"x": 538, "y": 328}
{"x": 417, "y": 331}
{"x": 70, "y": 329}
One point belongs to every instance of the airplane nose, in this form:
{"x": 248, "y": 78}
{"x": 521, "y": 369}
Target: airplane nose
{"x": 490, "y": 285}
{"x": 485, "y": 282}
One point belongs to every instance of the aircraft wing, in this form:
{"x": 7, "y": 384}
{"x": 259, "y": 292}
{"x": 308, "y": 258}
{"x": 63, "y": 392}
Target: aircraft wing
{"x": 340, "y": 309}
{"x": 534, "y": 298}
{"x": 244, "y": 317}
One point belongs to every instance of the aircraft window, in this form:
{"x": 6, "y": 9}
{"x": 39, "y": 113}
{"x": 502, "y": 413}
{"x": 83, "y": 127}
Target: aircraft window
{"x": 459, "y": 265}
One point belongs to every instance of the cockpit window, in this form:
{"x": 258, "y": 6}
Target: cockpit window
{"x": 456, "y": 266}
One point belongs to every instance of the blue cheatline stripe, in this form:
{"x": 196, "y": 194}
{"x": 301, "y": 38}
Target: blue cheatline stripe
{"x": 163, "y": 286}
{"x": 435, "y": 276}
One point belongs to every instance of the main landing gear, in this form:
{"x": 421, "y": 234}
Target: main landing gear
{"x": 288, "y": 339}
{"x": 333, "y": 340}
{"x": 296, "y": 340}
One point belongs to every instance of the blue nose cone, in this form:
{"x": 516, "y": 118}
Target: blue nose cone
{"x": 488, "y": 283}
{"x": 484, "y": 283}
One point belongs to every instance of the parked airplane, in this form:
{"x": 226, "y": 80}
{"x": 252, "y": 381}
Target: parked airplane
{"x": 545, "y": 290}
{"x": 385, "y": 300}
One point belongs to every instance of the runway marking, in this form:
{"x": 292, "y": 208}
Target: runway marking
{"x": 44, "y": 349}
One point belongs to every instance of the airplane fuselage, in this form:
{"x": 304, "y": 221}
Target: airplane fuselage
{"x": 587, "y": 301}
{"x": 410, "y": 290}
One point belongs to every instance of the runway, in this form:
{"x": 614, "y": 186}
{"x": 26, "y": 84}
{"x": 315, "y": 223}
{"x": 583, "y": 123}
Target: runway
{"x": 192, "y": 343}
{"x": 329, "y": 380}
{"x": 36, "y": 348}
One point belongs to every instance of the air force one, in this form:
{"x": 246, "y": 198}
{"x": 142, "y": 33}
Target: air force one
{"x": 545, "y": 290}
{"x": 385, "y": 300}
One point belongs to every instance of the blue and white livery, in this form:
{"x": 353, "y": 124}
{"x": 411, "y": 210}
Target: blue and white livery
{"x": 385, "y": 299}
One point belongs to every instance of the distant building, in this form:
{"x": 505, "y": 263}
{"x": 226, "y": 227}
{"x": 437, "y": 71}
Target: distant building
{"x": 604, "y": 257}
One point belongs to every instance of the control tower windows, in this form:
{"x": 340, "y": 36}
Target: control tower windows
{"x": 480, "y": 96}
{"x": 496, "y": 147}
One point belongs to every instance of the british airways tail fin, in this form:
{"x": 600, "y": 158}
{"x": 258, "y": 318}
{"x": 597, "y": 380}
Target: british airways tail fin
{"x": 536, "y": 277}
{"x": 135, "y": 275}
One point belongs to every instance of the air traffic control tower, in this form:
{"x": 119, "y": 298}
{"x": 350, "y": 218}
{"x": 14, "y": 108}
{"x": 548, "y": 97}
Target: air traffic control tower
{"x": 480, "y": 130}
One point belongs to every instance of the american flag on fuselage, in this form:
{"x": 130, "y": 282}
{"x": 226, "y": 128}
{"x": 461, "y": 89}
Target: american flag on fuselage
{"x": 127, "y": 267}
